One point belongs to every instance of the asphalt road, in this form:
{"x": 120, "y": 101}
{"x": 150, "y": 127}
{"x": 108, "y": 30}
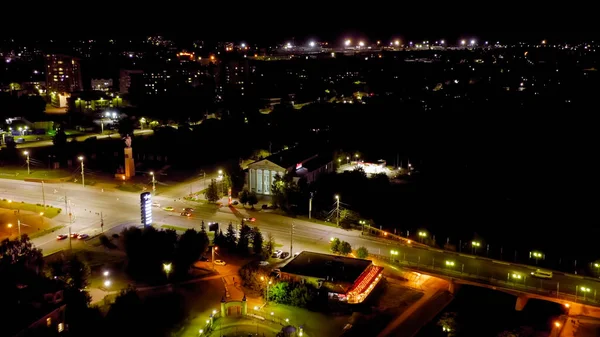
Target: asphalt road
{"x": 120, "y": 209}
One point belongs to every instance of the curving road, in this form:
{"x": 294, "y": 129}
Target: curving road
{"x": 121, "y": 209}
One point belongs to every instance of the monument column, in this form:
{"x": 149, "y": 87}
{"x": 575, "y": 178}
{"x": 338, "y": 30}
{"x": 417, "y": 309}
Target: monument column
{"x": 129, "y": 163}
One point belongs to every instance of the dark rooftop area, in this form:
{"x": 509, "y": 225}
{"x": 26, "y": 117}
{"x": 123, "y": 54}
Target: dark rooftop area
{"x": 290, "y": 157}
{"x": 341, "y": 269}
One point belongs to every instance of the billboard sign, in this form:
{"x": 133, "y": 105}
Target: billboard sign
{"x": 146, "y": 208}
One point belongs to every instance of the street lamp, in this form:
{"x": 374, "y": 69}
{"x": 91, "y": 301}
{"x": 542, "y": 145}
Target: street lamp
{"x": 516, "y": 277}
{"x": 394, "y": 253}
{"x": 10, "y": 226}
{"x": 584, "y": 290}
{"x": 450, "y": 264}
{"x": 167, "y": 268}
{"x": 422, "y": 235}
{"x": 107, "y": 283}
{"x": 262, "y": 278}
{"x": 597, "y": 266}
{"x": 82, "y": 171}
{"x": 26, "y": 153}
{"x": 153, "y": 183}
{"x": 347, "y": 160}
{"x": 475, "y": 245}
{"x": 337, "y": 209}
{"x": 536, "y": 255}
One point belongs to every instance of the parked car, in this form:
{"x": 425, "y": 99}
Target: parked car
{"x": 169, "y": 208}
{"x": 235, "y": 202}
{"x": 61, "y": 237}
{"x": 188, "y": 209}
{"x": 284, "y": 255}
{"x": 277, "y": 253}
{"x": 186, "y": 214}
{"x": 263, "y": 263}
{"x": 83, "y": 236}
{"x": 74, "y": 235}
{"x": 249, "y": 219}
{"x": 220, "y": 262}
{"x": 155, "y": 204}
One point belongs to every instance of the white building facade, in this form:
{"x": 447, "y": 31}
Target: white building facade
{"x": 261, "y": 175}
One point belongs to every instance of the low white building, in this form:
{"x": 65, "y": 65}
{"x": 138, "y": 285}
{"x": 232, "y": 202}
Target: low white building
{"x": 260, "y": 175}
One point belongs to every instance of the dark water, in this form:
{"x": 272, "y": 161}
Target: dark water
{"x": 483, "y": 312}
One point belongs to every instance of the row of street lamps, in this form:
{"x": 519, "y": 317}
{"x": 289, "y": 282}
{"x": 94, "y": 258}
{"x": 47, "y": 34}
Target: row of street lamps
{"x": 81, "y": 158}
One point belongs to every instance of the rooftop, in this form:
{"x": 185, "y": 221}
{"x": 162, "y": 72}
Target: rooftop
{"x": 290, "y": 157}
{"x": 327, "y": 267}
{"x": 313, "y": 164}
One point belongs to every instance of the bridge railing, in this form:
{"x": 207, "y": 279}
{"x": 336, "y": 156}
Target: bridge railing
{"x": 583, "y": 292}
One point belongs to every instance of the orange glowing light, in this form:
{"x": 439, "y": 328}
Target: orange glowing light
{"x": 557, "y": 324}
{"x": 212, "y": 57}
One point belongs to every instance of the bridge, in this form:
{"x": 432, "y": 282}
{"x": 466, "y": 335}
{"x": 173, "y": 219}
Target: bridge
{"x": 577, "y": 293}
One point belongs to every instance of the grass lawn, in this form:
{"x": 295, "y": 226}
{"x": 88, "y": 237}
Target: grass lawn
{"x": 45, "y": 231}
{"x": 175, "y": 228}
{"x": 130, "y": 188}
{"x": 49, "y": 212}
{"x": 20, "y": 173}
{"x": 320, "y": 222}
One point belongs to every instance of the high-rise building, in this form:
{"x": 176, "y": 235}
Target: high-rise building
{"x": 125, "y": 79}
{"x": 63, "y": 74}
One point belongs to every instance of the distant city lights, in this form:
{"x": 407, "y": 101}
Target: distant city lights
{"x": 347, "y": 42}
{"x": 312, "y": 43}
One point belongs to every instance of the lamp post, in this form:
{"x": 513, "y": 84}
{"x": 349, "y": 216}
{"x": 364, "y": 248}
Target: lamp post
{"x": 214, "y": 248}
{"x": 262, "y": 278}
{"x": 394, "y": 253}
{"x": 82, "y": 171}
{"x": 536, "y": 255}
{"x": 153, "y": 183}
{"x": 220, "y": 179}
{"x": 475, "y": 245}
{"x": 26, "y": 153}
{"x": 362, "y": 223}
{"x": 422, "y": 235}
{"x": 10, "y": 226}
{"x": 584, "y": 290}
{"x": 337, "y": 209}
{"x": 167, "y": 268}
{"x": 597, "y": 266}
{"x": 42, "y": 217}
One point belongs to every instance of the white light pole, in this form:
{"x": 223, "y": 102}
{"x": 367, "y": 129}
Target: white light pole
{"x": 82, "y": 172}
{"x": 337, "y": 201}
{"x": 153, "y": 183}
{"x": 26, "y": 153}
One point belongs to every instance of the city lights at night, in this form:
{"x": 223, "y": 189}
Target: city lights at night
{"x": 262, "y": 177}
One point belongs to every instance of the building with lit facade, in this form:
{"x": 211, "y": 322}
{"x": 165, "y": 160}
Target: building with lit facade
{"x": 63, "y": 74}
{"x": 345, "y": 279}
{"x": 300, "y": 163}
